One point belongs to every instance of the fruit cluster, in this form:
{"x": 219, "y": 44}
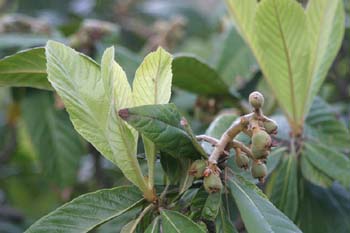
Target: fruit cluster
{"x": 255, "y": 125}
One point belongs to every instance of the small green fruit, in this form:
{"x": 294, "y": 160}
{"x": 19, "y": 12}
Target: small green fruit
{"x": 259, "y": 170}
{"x": 197, "y": 168}
{"x": 270, "y": 126}
{"x": 261, "y": 143}
{"x": 242, "y": 161}
{"x": 256, "y": 99}
{"x": 212, "y": 183}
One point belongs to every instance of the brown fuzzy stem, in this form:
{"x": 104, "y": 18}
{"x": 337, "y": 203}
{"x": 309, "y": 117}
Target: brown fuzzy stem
{"x": 237, "y": 126}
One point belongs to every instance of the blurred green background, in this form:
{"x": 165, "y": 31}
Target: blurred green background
{"x": 44, "y": 163}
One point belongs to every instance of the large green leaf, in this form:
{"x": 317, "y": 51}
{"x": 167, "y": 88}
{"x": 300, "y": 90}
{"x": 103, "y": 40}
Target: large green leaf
{"x": 53, "y": 136}
{"x": 26, "y": 68}
{"x": 234, "y": 60}
{"x": 323, "y": 126}
{"x": 174, "y": 222}
{"x": 258, "y": 214}
{"x": 89, "y": 211}
{"x": 223, "y": 223}
{"x": 154, "y": 227}
{"x": 163, "y": 125}
{"x": 324, "y": 210}
{"x": 282, "y": 187}
{"x": 91, "y": 101}
{"x": 330, "y": 162}
{"x": 195, "y": 76}
{"x": 282, "y": 52}
{"x": 152, "y": 85}
{"x": 211, "y": 207}
{"x": 325, "y": 22}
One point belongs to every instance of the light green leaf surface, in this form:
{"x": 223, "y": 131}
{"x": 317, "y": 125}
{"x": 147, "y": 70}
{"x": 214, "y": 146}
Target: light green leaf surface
{"x": 282, "y": 187}
{"x": 325, "y": 22}
{"x": 332, "y": 163}
{"x": 196, "y": 76}
{"x": 26, "y": 68}
{"x": 174, "y": 222}
{"x": 91, "y": 103}
{"x": 282, "y": 52}
{"x": 258, "y": 214}
{"x": 53, "y": 137}
{"x": 163, "y": 125}
{"x": 152, "y": 85}
{"x": 89, "y": 211}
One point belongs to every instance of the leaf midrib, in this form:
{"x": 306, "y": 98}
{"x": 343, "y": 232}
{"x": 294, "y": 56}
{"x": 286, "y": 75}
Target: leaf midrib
{"x": 288, "y": 59}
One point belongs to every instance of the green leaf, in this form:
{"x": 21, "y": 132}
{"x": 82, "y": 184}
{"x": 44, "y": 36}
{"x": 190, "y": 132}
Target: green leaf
{"x": 212, "y": 206}
{"x": 323, "y": 126}
{"x": 152, "y": 85}
{"x": 89, "y": 211}
{"x": 172, "y": 167}
{"x": 195, "y": 76}
{"x": 174, "y": 222}
{"x": 282, "y": 52}
{"x": 330, "y": 162}
{"x": 324, "y": 210}
{"x": 154, "y": 227}
{"x": 258, "y": 214}
{"x": 282, "y": 188}
{"x": 53, "y": 136}
{"x": 91, "y": 101}
{"x": 325, "y": 22}
{"x": 220, "y": 125}
{"x": 162, "y": 124}
{"x": 197, "y": 203}
{"x": 313, "y": 174}
{"x": 234, "y": 58}
{"x": 26, "y": 68}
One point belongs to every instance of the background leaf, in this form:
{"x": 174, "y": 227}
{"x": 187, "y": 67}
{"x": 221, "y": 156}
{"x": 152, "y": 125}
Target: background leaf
{"x": 89, "y": 211}
{"x": 195, "y": 76}
{"x": 26, "y": 68}
{"x": 53, "y": 136}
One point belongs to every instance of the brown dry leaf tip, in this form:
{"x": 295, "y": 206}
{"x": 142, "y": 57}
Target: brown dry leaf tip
{"x": 184, "y": 122}
{"x": 124, "y": 113}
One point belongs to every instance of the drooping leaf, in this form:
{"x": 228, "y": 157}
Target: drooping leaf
{"x": 313, "y": 174}
{"x": 282, "y": 187}
{"x": 325, "y": 22}
{"x": 330, "y": 162}
{"x": 197, "y": 203}
{"x": 324, "y": 210}
{"x": 174, "y": 222}
{"x": 195, "y": 76}
{"x": 91, "y": 102}
{"x": 234, "y": 58}
{"x": 258, "y": 214}
{"x": 53, "y": 137}
{"x": 25, "y": 69}
{"x": 172, "y": 167}
{"x": 152, "y": 85}
{"x": 323, "y": 126}
{"x": 212, "y": 206}
{"x": 280, "y": 42}
{"x": 163, "y": 125}
{"x": 89, "y": 211}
